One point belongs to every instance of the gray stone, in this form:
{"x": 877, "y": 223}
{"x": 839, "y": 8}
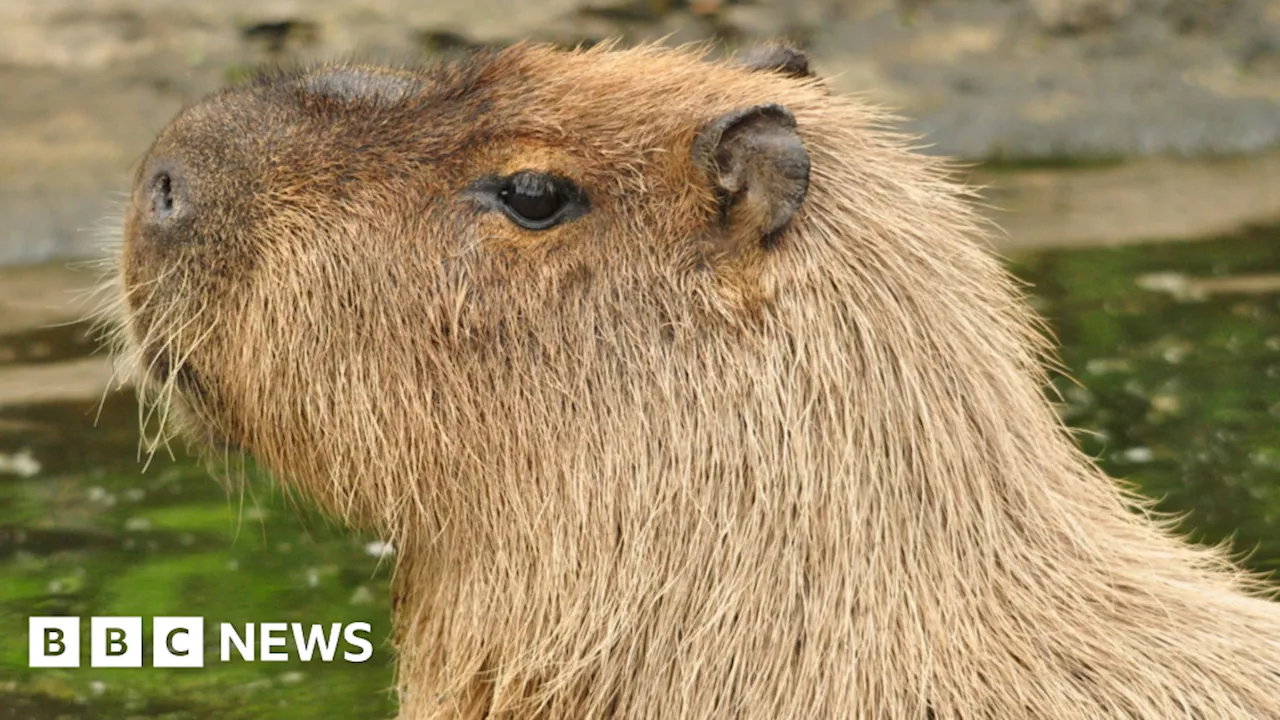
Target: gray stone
{"x": 1061, "y": 16}
{"x": 87, "y": 83}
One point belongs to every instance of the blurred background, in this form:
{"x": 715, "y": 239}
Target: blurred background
{"x": 1130, "y": 150}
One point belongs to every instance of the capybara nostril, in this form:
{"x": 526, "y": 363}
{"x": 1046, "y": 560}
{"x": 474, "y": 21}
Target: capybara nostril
{"x": 164, "y": 194}
{"x": 161, "y": 196}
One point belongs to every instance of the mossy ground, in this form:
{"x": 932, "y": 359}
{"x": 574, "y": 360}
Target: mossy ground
{"x": 1180, "y": 397}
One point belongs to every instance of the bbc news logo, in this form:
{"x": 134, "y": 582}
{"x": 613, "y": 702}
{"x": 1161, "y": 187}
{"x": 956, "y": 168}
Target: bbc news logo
{"x": 178, "y": 642}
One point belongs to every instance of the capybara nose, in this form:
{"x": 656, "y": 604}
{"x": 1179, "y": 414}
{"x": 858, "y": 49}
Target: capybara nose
{"x": 163, "y": 197}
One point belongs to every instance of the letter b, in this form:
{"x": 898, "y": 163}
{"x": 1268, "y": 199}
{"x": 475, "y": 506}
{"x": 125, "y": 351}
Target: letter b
{"x": 53, "y": 642}
{"x": 115, "y": 642}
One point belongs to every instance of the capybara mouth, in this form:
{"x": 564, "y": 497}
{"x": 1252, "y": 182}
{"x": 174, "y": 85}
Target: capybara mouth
{"x": 164, "y": 370}
{"x": 185, "y": 377}
{"x": 186, "y": 389}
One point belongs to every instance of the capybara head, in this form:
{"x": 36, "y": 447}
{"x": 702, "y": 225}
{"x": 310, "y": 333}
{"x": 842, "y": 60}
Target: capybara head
{"x": 353, "y": 268}
{"x": 388, "y": 284}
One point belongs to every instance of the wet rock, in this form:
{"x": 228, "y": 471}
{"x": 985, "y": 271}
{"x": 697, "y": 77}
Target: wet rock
{"x": 1072, "y": 16}
{"x": 1199, "y": 16}
{"x": 759, "y": 21}
{"x": 280, "y": 36}
{"x": 88, "y": 82}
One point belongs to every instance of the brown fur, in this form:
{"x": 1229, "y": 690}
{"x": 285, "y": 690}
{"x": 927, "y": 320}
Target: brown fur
{"x": 642, "y": 464}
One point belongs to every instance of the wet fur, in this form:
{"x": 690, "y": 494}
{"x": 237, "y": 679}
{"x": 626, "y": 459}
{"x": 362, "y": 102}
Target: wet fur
{"x": 643, "y": 465}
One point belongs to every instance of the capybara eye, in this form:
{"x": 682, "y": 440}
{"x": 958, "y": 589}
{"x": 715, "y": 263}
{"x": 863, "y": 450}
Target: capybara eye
{"x": 536, "y": 201}
{"x": 161, "y": 196}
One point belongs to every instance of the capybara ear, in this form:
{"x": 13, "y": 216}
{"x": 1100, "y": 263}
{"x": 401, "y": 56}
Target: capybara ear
{"x": 776, "y": 58}
{"x": 759, "y": 165}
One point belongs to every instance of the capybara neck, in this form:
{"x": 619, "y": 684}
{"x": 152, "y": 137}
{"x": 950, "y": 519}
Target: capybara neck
{"x": 683, "y": 388}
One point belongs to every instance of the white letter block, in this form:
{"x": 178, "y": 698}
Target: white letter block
{"x": 115, "y": 642}
{"x": 177, "y": 642}
{"x": 53, "y": 642}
